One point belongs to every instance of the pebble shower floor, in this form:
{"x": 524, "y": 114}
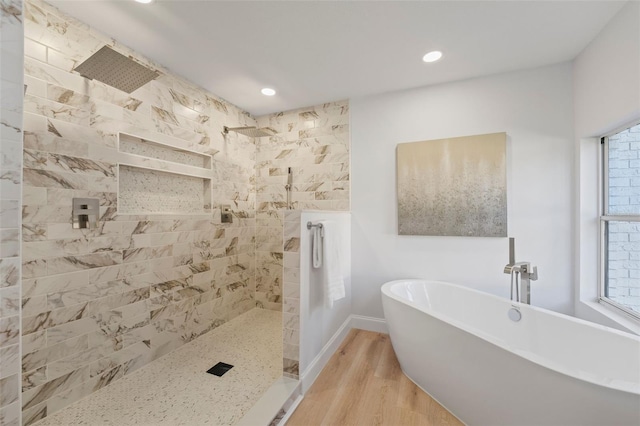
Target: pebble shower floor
{"x": 176, "y": 389}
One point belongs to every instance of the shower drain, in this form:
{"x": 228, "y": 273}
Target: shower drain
{"x": 219, "y": 369}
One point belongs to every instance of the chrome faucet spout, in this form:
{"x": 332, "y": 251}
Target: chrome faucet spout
{"x": 525, "y": 270}
{"x": 515, "y": 270}
{"x": 528, "y": 273}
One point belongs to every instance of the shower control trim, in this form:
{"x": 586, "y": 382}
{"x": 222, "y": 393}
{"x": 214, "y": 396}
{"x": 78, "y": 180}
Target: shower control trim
{"x": 225, "y": 214}
{"x": 85, "y": 213}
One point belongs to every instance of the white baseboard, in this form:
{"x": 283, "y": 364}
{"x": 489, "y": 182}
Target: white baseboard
{"x": 315, "y": 367}
{"x": 379, "y": 325}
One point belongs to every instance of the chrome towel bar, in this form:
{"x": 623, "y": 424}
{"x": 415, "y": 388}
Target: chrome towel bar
{"x": 313, "y": 225}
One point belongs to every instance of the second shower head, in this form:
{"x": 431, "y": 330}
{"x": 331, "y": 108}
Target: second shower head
{"x": 251, "y": 131}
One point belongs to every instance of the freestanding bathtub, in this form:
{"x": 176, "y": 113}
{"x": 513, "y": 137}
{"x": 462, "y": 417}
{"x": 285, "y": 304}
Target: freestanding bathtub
{"x": 459, "y": 346}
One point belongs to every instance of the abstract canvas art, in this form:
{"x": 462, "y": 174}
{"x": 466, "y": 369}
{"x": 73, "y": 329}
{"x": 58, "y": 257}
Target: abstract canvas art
{"x": 453, "y": 187}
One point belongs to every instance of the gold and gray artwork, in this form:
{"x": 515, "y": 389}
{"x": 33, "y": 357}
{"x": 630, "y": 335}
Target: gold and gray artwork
{"x": 453, "y": 187}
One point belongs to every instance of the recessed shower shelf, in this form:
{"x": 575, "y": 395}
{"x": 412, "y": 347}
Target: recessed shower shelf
{"x": 161, "y": 151}
{"x": 156, "y": 178}
{"x": 144, "y": 191}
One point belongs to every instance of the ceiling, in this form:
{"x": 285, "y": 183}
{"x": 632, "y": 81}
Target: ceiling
{"x": 313, "y": 52}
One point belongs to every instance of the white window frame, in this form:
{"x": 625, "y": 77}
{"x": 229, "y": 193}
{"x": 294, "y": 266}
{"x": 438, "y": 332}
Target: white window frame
{"x": 605, "y": 217}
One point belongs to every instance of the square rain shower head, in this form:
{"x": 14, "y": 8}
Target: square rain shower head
{"x": 116, "y": 70}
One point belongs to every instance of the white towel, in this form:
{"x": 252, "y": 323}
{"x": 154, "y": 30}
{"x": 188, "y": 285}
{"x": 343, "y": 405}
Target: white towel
{"x": 316, "y": 247}
{"x": 331, "y": 265}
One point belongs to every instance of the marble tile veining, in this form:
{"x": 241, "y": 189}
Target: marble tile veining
{"x": 291, "y": 294}
{"x": 176, "y": 390}
{"x": 314, "y": 143}
{"x": 99, "y": 303}
{"x": 11, "y": 133}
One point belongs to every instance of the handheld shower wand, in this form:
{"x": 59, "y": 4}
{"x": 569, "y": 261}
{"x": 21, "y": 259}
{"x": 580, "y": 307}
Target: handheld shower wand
{"x": 288, "y": 187}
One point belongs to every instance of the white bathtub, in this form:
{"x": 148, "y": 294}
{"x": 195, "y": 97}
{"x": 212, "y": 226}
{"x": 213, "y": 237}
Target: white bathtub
{"x": 460, "y": 347}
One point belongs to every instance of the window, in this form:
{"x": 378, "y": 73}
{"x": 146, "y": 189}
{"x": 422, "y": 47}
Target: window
{"x": 620, "y": 221}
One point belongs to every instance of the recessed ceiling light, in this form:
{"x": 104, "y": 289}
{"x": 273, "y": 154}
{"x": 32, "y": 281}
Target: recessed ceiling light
{"x": 144, "y": 1}
{"x": 432, "y": 56}
{"x": 268, "y": 92}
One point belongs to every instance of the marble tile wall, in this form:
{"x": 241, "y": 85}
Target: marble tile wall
{"x": 98, "y": 304}
{"x": 291, "y": 295}
{"x": 314, "y": 142}
{"x": 11, "y": 92}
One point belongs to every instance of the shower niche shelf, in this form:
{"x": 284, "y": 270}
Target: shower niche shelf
{"x": 156, "y": 178}
{"x": 160, "y": 151}
{"x": 143, "y": 191}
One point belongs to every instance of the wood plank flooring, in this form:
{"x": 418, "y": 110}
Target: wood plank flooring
{"x": 362, "y": 384}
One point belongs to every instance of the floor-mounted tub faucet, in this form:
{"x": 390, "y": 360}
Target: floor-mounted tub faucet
{"x": 525, "y": 270}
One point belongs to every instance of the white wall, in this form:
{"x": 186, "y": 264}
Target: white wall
{"x": 534, "y": 107}
{"x": 318, "y": 324}
{"x": 606, "y": 76}
{"x": 606, "y": 85}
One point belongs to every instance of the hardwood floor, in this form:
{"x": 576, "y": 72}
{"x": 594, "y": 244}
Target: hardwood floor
{"x": 362, "y": 384}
